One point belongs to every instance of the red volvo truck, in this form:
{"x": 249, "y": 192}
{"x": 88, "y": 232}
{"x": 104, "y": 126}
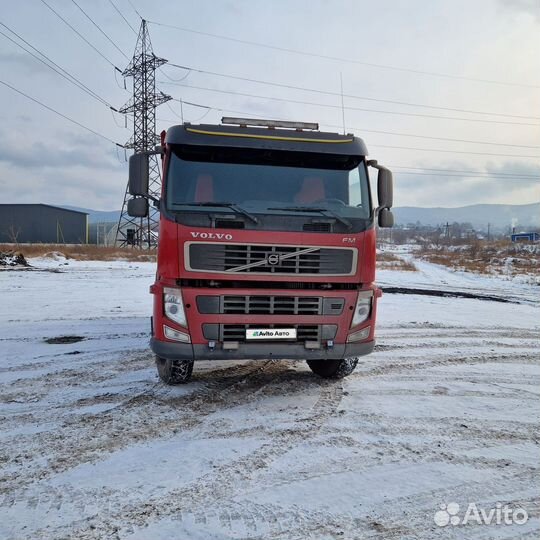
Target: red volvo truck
{"x": 266, "y": 245}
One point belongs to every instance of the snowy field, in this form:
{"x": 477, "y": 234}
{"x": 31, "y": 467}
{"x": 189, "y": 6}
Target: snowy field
{"x": 92, "y": 446}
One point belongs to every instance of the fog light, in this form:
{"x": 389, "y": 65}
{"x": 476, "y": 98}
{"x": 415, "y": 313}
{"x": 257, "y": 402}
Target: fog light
{"x": 360, "y": 335}
{"x": 175, "y": 335}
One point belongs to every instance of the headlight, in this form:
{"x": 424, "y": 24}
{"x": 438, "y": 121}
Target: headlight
{"x": 173, "y": 305}
{"x": 363, "y": 307}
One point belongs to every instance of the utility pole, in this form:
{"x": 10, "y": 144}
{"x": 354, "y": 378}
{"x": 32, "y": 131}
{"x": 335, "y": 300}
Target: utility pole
{"x": 137, "y": 232}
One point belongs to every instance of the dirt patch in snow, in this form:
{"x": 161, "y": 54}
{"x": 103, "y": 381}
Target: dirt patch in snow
{"x": 13, "y": 259}
{"x": 63, "y": 340}
{"x": 447, "y": 294}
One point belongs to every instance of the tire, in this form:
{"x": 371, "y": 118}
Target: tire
{"x": 333, "y": 369}
{"x": 174, "y": 371}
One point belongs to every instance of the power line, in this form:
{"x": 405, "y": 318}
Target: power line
{"x": 175, "y": 80}
{"x": 99, "y": 28}
{"x": 340, "y": 59}
{"x": 381, "y": 146}
{"x": 59, "y": 113}
{"x": 393, "y": 133}
{"x": 420, "y": 149}
{"x": 338, "y": 94}
{"x": 453, "y": 151}
{"x": 473, "y": 174}
{"x": 466, "y": 171}
{"x": 469, "y": 173}
{"x": 216, "y": 109}
{"x": 489, "y": 177}
{"x": 60, "y": 71}
{"x": 361, "y": 130}
{"x": 121, "y": 15}
{"x": 80, "y": 35}
{"x": 315, "y": 104}
{"x": 135, "y": 9}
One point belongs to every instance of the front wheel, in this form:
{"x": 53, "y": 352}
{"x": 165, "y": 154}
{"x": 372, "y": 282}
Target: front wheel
{"x": 174, "y": 371}
{"x": 333, "y": 369}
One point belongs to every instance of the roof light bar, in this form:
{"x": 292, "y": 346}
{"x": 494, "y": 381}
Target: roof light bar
{"x": 245, "y": 122}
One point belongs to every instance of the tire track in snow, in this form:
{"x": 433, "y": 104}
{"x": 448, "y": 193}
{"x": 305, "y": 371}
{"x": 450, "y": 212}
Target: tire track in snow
{"x": 147, "y": 415}
{"x": 153, "y": 412}
{"x": 218, "y": 487}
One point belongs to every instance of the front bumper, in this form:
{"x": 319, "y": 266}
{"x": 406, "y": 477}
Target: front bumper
{"x": 258, "y": 351}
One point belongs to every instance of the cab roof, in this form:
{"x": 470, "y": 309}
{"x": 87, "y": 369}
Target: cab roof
{"x": 266, "y": 138}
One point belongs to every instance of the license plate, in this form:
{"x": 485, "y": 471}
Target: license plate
{"x": 271, "y": 333}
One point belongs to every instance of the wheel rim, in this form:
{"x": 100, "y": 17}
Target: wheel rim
{"x": 180, "y": 369}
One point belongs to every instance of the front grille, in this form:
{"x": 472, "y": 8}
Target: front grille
{"x": 273, "y": 305}
{"x": 265, "y": 259}
{"x": 237, "y": 332}
{"x": 269, "y": 305}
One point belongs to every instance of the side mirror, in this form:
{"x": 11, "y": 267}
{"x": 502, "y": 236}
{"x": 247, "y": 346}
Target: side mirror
{"x": 385, "y": 188}
{"x": 138, "y": 175}
{"x": 385, "y": 185}
{"x": 137, "y": 207}
{"x": 386, "y": 218}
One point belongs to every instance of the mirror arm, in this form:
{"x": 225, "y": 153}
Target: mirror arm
{"x": 158, "y": 150}
{"x": 155, "y": 200}
{"x": 374, "y": 163}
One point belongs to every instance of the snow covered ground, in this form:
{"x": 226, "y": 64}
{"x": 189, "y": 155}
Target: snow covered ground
{"x": 93, "y": 446}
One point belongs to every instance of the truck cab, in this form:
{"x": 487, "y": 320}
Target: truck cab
{"x": 266, "y": 245}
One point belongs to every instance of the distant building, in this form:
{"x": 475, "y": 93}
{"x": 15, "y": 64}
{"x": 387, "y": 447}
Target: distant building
{"x": 525, "y": 237}
{"x": 42, "y": 223}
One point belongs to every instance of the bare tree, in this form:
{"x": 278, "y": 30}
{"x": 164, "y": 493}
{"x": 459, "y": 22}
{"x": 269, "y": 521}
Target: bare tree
{"x": 13, "y": 234}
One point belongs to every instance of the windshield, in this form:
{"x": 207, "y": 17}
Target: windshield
{"x": 267, "y": 181}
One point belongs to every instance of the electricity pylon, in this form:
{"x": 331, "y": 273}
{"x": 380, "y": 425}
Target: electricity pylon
{"x": 140, "y": 232}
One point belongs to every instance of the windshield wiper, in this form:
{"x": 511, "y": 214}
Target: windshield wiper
{"x": 234, "y": 207}
{"x": 324, "y": 211}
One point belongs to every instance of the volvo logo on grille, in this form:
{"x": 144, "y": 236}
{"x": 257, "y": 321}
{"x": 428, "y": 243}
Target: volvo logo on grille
{"x": 273, "y": 259}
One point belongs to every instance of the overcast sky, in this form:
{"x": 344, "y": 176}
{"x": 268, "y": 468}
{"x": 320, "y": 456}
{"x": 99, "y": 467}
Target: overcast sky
{"x": 45, "y": 158}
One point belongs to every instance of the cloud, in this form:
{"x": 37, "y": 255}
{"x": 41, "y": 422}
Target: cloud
{"x": 66, "y": 168}
{"x": 515, "y": 168}
{"x": 22, "y": 61}
{"x": 441, "y": 189}
{"x": 531, "y": 7}
{"x": 84, "y": 187}
{"x": 73, "y": 151}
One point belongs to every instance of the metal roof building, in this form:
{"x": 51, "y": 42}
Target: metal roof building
{"x": 42, "y": 223}
{"x": 525, "y": 237}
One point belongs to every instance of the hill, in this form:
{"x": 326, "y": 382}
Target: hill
{"x": 97, "y": 216}
{"x": 500, "y": 216}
